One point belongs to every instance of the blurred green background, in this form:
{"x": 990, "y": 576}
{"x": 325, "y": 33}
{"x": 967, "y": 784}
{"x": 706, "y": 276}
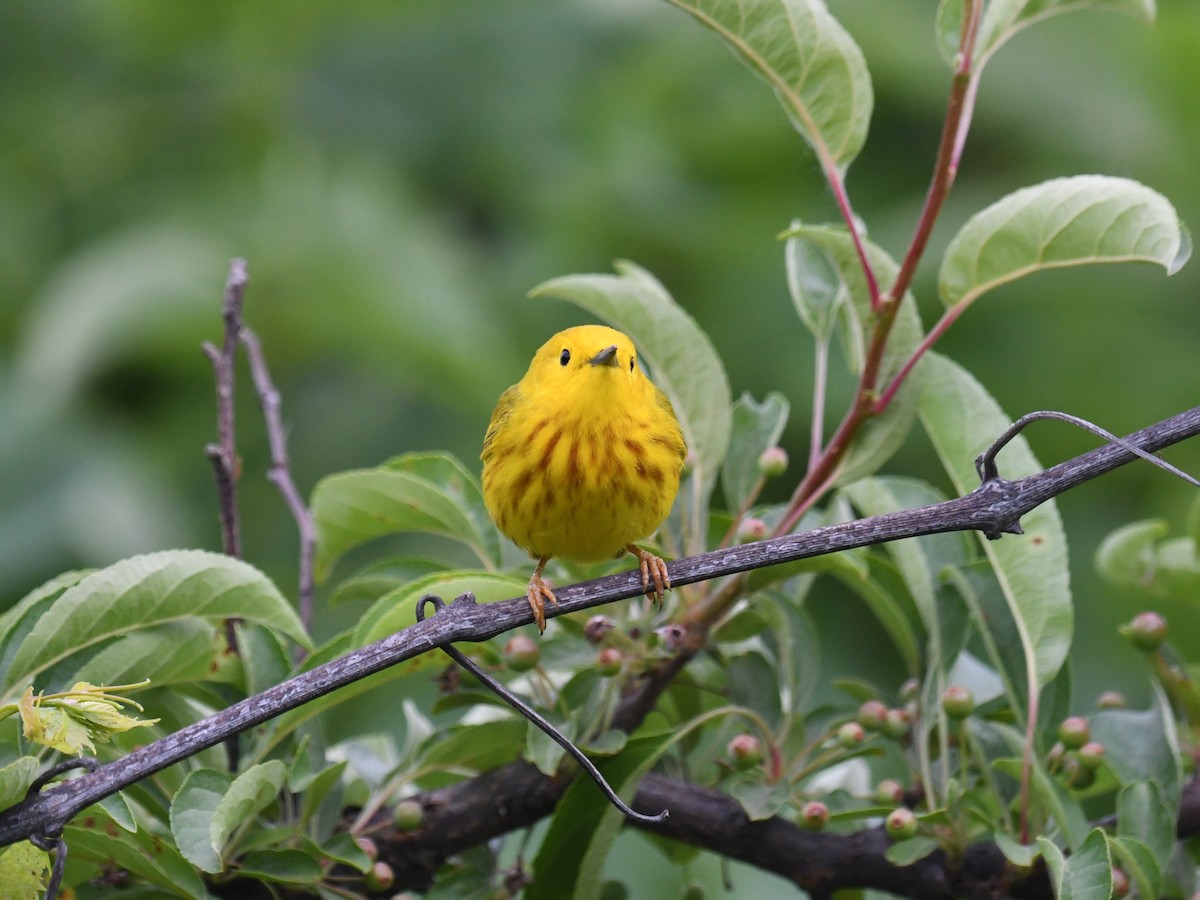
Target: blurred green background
{"x": 400, "y": 174}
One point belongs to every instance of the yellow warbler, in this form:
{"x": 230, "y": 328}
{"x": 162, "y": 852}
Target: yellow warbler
{"x": 582, "y": 457}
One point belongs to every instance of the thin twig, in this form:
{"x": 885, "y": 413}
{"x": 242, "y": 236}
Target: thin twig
{"x": 223, "y": 453}
{"x": 995, "y": 508}
{"x": 280, "y": 473}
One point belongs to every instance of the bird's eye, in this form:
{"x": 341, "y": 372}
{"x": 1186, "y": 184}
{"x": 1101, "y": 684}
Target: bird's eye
{"x": 631, "y": 359}
{"x": 564, "y": 357}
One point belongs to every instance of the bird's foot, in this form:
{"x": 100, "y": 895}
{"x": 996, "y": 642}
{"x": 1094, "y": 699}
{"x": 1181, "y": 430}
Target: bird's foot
{"x": 539, "y": 592}
{"x": 653, "y": 570}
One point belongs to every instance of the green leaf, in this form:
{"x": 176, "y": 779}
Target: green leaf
{"x": 1004, "y": 18}
{"x": 811, "y": 63}
{"x": 1086, "y": 874}
{"x": 1062, "y": 222}
{"x": 760, "y": 801}
{"x": 23, "y": 871}
{"x": 1141, "y": 745}
{"x": 22, "y": 616}
{"x": 815, "y": 285}
{"x": 585, "y": 824}
{"x": 891, "y": 615}
{"x": 149, "y": 590}
{"x": 398, "y": 610}
{"x": 883, "y": 434}
{"x": 1020, "y": 855}
{"x": 962, "y": 419}
{"x": 756, "y": 427}
{"x": 905, "y": 853}
{"x": 1136, "y": 556}
{"x": 249, "y": 794}
{"x": 480, "y": 746}
{"x": 192, "y": 811}
{"x": 1053, "y": 798}
{"x": 1142, "y": 814}
{"x": 373, "y": 581}
{"x": 143, "y": 853}
{"x": 280, "y": 866}
{"x": 683, "y": 361}
{"x": 423, "y": 493}
{"x": 15, "y": 779}
{"x": 1139, "y": 862}
{"x": 171, "y": 653}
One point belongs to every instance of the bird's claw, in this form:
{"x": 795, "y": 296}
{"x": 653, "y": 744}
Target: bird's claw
{"x": 539, "y": 592}
{"x": 653, "y": 569}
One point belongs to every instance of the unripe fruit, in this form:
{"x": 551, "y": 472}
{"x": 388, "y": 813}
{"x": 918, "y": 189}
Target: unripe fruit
{"x": 773, "y": 462}
{"x": 1091, "y": 755}
{"x": 889, "y": 791}
{"x": 596, "y": 628}
{"x": 368, "y": 847}
{"x": 751, "y": 530}
{"x": 901, "y": 824}
{"x": 958, "y": 702}
{"x": 521, "y": 653}
{"x": 1147, "y": 630}
{"x": 814, "y": 815}
{"x": 1120, "y": 883}
{"x": 896, "y": 724}
{"x": 851, "y": 734}
{"x": 1074, "y": 732}
{"x": 408, "y": 815}
{"x": 872, "y": 715}
{"x": 745, "y": 750}
{"x": 379, "y": 877}
{"x": 1111, "y": 700}
{"x": 609, "y": 661}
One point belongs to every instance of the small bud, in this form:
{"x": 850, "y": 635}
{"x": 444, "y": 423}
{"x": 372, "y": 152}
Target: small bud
{"x": 597, "y": 628}
{"x": 896, "y": 724}
{"x": 1120, "y": 883}
{"x": 1055, "y": 757}
{"x": 889, "y": 791}
{"x": 1147, "y": 630}
{"x": 851, "y": 734}
{"x": 901, "y": 824}
{"x": 408, "y": 815}
{"x": 751, "y": 530}
{"x": 671, "y": 636}
{"x": 379, "y": 877}
{"x": 814, "y": 815}
{"x": 1111, "y": 700}
{"x": 609, "y": 661}
{"x": 746, "y": 751}
{"x": 368, "y": 847}
{"x": 773, "y": 462}
{"x": 958, "y": 702}
{"x": 910, "y": 690}
{"x": 1074, "y": 732}
{"x": 872, "y": 715}
{"x": 1091, "y": 755}
{"x": 521, "y": 653}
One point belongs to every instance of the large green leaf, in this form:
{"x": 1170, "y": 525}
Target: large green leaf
{"x": 684, "y": 363}
{"x": 146, "y": 591}
{"x": 1004, "y": 18}
{"x": 756, "y": 427}
{"x": 1063, "y": 222}
{"x": 170, "y": 653}
{"x": 961, "y": 419}
{"x": 420, "y": 492}
{"x": 1142, "y": 746}
{"x": 192, "y": 810}
{"x": 1084, "y": 875}
{"x": 94, "y": 836}
{"x": 810, "y": 61}
{"x": 249, "y": 794}
{"x": 15, "y": 779}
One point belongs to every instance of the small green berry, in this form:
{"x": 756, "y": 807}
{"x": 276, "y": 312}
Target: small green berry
{"x": 1074, "y": 732}
{"x": 814, "y": 815}
{"x": 521, "y": 653}
{"x": 896, "y": 724}
{"x": 746, "y": 751}
{"x": 958, "y": 702}
{"x": 1147, "y": 630}
{"x": 889, "y": 791}
{"x": 751, "y": 530}
{"x": 408, "y": 815}
{"x": 851, "y": 734}
{"x": 872, "y": 715}
{"x": 379, "y": 877}
{"x": 1120, "y": 883}
{"x": 901, "y": 824}
{"x": 773, "y": 462}
{"x": 609, "y": 661}
{"x": 1091, "y": 755}
{"x": 368, "y": 847}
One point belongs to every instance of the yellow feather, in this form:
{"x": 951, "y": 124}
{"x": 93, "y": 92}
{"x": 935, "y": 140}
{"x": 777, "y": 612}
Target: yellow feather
{"x": 583, "y": 455}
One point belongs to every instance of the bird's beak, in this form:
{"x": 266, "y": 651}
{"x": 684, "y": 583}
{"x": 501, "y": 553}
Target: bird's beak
{"x": 606, "y": 357}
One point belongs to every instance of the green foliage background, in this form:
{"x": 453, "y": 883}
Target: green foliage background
{"x": 399, "y": 175}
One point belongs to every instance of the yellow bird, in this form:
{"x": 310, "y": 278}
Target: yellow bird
{"x": 582, "y": 458}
